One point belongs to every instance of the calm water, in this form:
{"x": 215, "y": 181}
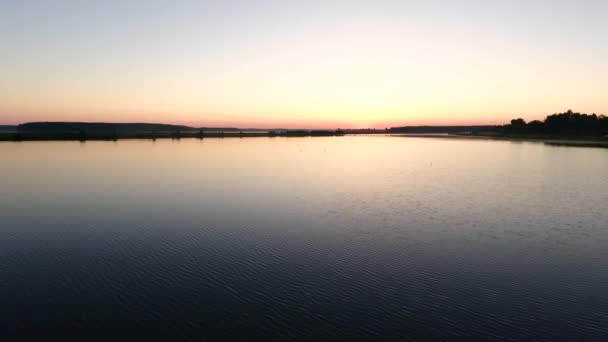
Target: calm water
{"x": 423, "y": 238}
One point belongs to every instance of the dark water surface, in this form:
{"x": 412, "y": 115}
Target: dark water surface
{"x": 286, "y": 237}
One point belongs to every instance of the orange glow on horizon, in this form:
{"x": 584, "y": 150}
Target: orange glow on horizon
{"x": 308, "y": 65}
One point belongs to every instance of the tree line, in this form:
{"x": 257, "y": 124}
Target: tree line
{"x": 568, "y": 123}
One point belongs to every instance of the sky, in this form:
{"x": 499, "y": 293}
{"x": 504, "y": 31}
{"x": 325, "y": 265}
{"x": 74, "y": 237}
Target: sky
{"x": 301, "y": 64}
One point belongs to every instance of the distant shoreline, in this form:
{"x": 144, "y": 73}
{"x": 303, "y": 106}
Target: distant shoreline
{"x": 549, "y": 140}
{"x": 563, "y": 129}
{"x": 84, "y": 136}
{"x": 107, "y": 131}
{"x": 555, "y": 141}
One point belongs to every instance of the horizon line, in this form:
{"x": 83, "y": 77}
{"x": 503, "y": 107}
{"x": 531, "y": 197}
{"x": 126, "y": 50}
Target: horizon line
{"x": 250, "y": 127}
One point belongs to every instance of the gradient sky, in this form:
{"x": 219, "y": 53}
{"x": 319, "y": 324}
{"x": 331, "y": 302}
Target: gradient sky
{"x": 282, "y": 63}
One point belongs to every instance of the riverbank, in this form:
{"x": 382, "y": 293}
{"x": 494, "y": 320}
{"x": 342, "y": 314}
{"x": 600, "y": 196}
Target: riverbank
{"x": 549, "y": 140}
{"x": 85, "y": 136}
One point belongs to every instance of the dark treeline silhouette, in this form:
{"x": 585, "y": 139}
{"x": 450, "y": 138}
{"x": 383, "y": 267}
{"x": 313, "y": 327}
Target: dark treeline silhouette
{"x": 443, "y": 129}
{"x": 98, "y": 127}
{"x": 107, "y": 131}
{"x": 84, "y": 131}
{"x": 566, "y": 124}
{"x": 365, "y": 131}
{"x": 307, "y": 133}
{"x": 563, "y": 125}
{"x": 5, "y": 128}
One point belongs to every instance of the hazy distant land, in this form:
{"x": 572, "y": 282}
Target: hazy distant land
{"x": 567, "y": 128}
{"x": 8, "y": 129}
{"x": 43, "y": 131}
